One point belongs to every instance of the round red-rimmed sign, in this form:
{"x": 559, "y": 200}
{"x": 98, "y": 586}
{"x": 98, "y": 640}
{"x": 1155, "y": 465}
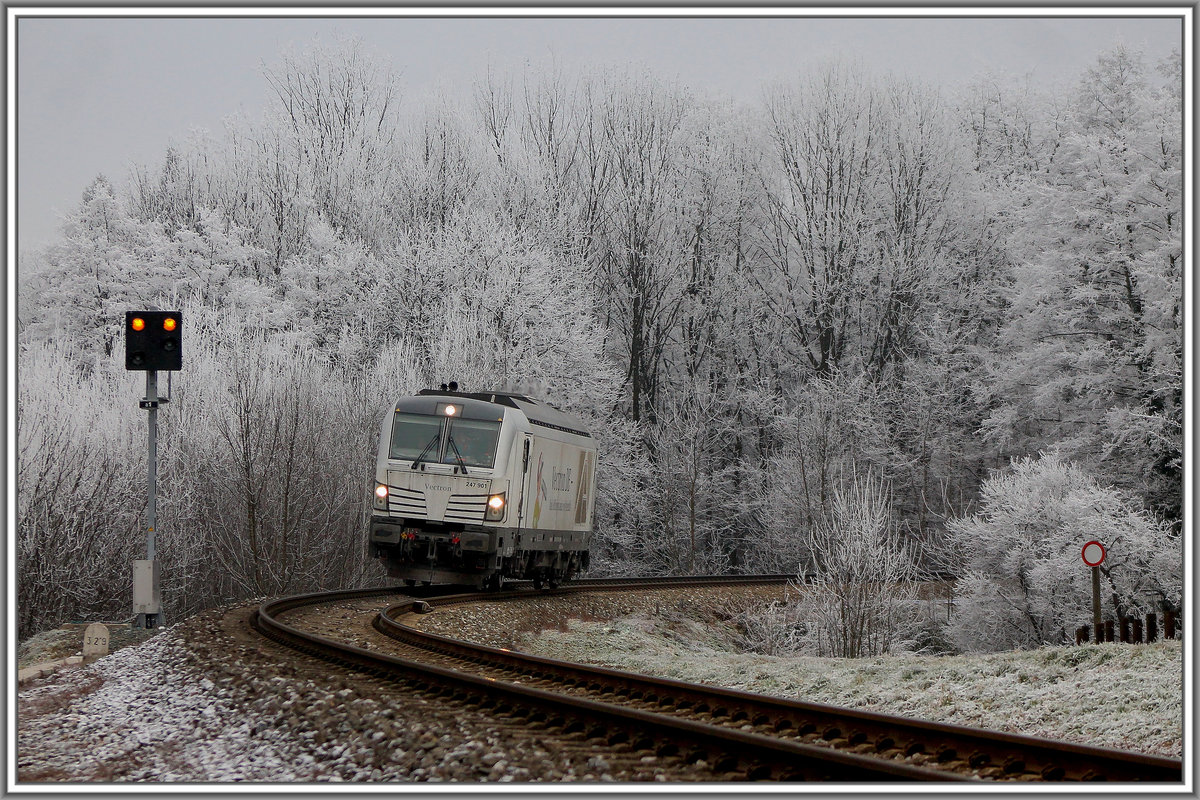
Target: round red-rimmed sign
{"x": 1094, "y": 553}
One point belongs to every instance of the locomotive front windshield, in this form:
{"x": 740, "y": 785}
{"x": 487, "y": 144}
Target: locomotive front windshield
{"x": 445, "y": 440}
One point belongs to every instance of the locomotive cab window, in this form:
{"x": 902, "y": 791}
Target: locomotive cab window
{"x": 444, "y": 439}
{"x": 413, "y": 434}
{"x": 474, "y": 440}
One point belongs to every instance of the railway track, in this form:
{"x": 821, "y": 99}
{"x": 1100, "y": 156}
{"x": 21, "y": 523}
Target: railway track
{"x": 738, "y": 735}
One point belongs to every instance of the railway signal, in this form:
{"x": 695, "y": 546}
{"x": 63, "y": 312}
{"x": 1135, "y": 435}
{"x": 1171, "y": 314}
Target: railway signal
{"x": 153, "y": 342}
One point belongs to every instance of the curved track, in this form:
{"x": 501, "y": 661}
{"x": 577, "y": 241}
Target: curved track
{"x": 738, "y": 734}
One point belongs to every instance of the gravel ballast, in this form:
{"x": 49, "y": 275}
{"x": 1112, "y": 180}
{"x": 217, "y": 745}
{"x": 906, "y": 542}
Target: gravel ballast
{"x": 195, "y": 703}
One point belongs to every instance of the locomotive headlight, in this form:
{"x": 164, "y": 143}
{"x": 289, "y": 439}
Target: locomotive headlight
{"x": 495, "y": 508}
{"x": 381, "y": 495}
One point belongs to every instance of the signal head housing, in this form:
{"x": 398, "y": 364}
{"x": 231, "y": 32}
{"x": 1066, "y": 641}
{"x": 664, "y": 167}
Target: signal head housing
{"x": 153, "y": 340}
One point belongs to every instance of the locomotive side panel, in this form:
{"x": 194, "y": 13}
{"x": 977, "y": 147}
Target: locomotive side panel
{"x": 556, "y": 507}
{"x": 560, "y": 485}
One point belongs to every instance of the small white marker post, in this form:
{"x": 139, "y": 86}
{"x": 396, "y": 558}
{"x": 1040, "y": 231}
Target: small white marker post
{"x": 95, "y": 641}
{"x": 1093, "y": 556}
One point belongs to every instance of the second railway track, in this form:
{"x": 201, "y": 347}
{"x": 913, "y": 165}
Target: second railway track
{"x": 731, "y": 735}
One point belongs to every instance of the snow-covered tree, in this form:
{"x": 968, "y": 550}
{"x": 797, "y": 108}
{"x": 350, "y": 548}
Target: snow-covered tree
{"x": 1091, "y": 351}
{"x": 80, "y": 493}
{"x": 1022, "y": 580}
{"x": 338, "y": 106}
{"x": 747, "y": 303}
{"x": 861, "y": 600}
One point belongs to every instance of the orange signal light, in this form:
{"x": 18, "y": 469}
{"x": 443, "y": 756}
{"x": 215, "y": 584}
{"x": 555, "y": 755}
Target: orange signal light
{"x": 138, "y": 323}
{"x": 169, "y": 323}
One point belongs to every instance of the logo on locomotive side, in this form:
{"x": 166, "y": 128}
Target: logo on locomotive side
{"x": 539, "y": 492}
{"x": 585, "y": 481}
{"x": 561, "y": 480}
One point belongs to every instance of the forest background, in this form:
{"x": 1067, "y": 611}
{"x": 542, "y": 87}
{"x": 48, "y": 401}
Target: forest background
{"x": 965, "y": 311}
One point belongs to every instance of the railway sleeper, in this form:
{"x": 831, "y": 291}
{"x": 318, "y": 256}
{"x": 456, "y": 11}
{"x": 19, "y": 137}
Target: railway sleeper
{"x": 725, "y": 763}
{"x": 645, "y": 742}
{"x": 617, "y": 737}
{"x": 758, "y": 772}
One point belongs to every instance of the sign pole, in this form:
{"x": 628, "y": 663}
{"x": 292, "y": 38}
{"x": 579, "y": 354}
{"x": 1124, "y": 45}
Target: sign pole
{"x": 1093, "y": 555}
{"x": 152, "y": 459}
{"x": 147, "y": 602}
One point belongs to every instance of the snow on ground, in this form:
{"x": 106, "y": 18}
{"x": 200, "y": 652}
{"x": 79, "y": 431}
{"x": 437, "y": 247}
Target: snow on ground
{"x": 189, "y": 705}
{"x": 205, "y": 702}
{"x": 144, "y": 707}
{"x": 1111, "y": 695}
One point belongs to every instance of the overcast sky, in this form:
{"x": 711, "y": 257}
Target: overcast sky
{"x": 103, "y": 95}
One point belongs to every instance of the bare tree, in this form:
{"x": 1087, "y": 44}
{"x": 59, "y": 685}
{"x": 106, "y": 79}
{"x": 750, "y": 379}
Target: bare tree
{"x": 641, "y": 271}
{"x": 80, "y": 495}
{"x": 863, "y": 592}
{"x": 339, "y": 105}
{"x": 819, "y": 194}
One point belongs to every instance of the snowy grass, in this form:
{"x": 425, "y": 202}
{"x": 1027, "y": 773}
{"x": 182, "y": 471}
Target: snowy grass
{"x": 1111, "y": 695}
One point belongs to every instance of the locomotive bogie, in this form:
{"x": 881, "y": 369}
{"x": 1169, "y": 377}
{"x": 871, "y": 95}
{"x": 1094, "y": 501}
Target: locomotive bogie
{"x": 477, "y": 488}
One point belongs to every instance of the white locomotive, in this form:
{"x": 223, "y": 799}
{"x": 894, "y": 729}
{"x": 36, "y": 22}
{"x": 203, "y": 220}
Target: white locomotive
{"x": 476, "y": 488}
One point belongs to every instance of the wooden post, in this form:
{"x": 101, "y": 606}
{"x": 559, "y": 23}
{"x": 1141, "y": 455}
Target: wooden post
{"x": 1151, "y": 627}
{"x": 1169, "y": 624}
{"x": 1081, "y": 634}
{"x": 1137, "y": 630}
{"x": 1124, "y": 630}
{"x": 1108, "y": 630}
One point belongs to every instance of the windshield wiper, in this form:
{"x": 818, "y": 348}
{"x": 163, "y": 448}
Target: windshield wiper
{"x": 462, "y": 464}
{"x": 432, "y": 442}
